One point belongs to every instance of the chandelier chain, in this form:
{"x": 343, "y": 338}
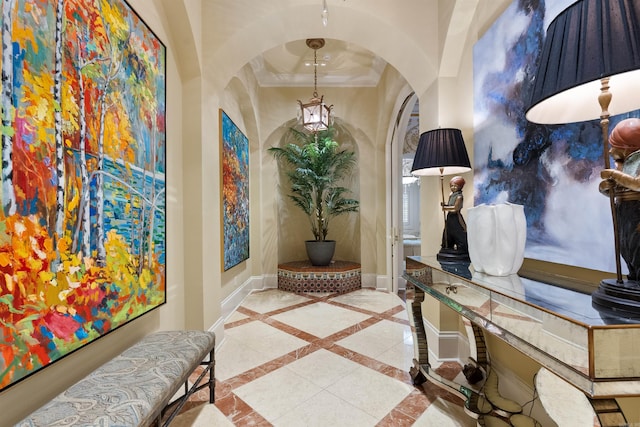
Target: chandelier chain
{"x": 315, "y": 115}
{"x": 315, "y": 73}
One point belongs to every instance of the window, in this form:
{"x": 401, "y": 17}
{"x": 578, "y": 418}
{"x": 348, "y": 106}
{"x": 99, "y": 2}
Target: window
{"x": 411, "y": 208}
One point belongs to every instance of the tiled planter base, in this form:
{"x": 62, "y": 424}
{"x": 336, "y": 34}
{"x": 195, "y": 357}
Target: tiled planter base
{"x": 301, "y": 276}
{"x": 415, "y": 269}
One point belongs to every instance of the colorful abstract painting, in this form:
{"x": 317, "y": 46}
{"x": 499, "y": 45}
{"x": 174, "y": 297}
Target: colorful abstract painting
{"x": 235, "y": 193}
{"x": 82, "y": 224}
{"x": 553, "y": 171}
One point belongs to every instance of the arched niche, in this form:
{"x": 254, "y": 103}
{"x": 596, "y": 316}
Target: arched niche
{"x": 293, "y": 226}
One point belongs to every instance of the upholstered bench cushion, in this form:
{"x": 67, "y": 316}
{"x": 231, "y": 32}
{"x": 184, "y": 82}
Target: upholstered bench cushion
{"x": 131, "y": 389}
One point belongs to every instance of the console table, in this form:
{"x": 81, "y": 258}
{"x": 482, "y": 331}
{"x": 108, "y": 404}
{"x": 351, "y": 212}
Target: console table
{"x": 596, "y": 352}
{"x": 337, "y": 277}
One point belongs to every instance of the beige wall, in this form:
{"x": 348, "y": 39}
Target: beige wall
{"x": 209, "y": 44}
{"x": 34, "y": 391}
{"x": 208, "y": 47}
{"x": 205, "y": 72}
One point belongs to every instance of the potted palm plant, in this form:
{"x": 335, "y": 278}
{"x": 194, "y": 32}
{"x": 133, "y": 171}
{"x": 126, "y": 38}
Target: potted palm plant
{"x": 315, "y": 166}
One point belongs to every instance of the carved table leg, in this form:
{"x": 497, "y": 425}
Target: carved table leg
{"x": 421, "y": 371}
{"x": 420, "y": 338}
{"x": 609, "y": 412}
{"x": 481, "y": 347}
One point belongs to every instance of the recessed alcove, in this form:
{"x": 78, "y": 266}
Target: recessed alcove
{"x": 292, "y": 224}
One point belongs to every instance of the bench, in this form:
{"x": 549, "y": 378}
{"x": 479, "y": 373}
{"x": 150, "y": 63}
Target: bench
{"x": 135, "y": 388}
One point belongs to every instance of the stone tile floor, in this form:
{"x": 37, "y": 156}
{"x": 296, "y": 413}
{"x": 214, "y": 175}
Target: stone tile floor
{"x": 326, "y": 360}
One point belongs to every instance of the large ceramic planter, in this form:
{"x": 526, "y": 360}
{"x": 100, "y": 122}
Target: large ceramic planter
{"x": 496, "y": 235}
{"x": 320, "y": 252}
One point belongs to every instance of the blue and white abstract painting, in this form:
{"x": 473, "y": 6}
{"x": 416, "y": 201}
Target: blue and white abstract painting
{"x": 553, "y": 171}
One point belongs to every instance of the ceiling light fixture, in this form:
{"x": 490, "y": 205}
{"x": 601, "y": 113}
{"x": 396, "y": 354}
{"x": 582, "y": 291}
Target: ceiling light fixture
{"x": 325, "y": 13}
{"x": 316, "y": 115}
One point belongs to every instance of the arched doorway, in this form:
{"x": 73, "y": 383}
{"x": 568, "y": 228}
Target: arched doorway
{"x": 405, "y": 194}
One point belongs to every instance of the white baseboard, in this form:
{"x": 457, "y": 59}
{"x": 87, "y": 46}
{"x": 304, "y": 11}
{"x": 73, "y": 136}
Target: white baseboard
{"x": 380, "y": 283}
{"x": 230, "y": 303}
{"x": 218, "y": 329}
{"x": 444, "y": 346}
{"x": 270, "y": 281}
{"x": 368, "y": 280}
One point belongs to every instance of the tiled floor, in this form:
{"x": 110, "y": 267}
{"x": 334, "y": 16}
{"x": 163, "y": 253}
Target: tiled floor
{"x": 326, "y": 360}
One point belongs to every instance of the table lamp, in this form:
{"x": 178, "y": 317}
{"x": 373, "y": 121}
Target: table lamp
{"x": 589, "y": 69}
{"x": 442, "y": 152}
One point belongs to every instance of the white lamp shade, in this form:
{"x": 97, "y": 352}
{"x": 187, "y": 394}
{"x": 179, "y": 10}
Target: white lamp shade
{"x": 557, "y": 109}
{"x": 588, "y": 41}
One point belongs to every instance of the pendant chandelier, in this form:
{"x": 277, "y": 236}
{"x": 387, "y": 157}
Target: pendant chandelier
{"x": 315, "y": 114}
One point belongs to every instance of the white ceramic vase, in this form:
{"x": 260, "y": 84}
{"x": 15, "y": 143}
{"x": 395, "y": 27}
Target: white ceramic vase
{"x": 496, "y": 235}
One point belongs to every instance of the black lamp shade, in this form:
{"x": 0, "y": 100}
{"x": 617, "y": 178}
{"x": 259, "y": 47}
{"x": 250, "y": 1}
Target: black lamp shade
{"x": 586, "y": 42}
{"x": 441, "y": 152}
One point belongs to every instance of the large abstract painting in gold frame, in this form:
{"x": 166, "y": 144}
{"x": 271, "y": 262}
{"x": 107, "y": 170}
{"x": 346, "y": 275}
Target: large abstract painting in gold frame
{"x": 82, "y": 224}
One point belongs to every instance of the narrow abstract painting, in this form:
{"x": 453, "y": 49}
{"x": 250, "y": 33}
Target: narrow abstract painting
{"x": 82, "y": 224}
{"x": 235, "y": 193}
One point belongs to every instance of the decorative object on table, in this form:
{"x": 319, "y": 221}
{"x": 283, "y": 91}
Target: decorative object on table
{"x": 316, "y": 166}
{"x": 442, "y": 152}
{"x": 624, "y": 182}
{"x": 315, "y": 114}
{"x": 234, "y": 171}
{"x": 593, "y": 44}
{"x": 497, "y": 235}
{"x": 455, "y": 227}
{"x": 82, "y": 230}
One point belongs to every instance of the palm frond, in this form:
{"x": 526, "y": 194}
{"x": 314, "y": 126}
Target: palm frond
{"x": 315, "y": 164}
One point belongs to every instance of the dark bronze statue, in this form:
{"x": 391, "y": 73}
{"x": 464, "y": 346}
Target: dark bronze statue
{"x": 624, "y": 181}
{"x": 455, "y": 231}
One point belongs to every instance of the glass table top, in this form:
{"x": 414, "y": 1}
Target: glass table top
{"x": 563, "y": 301}
{"x": 593, "y": 349}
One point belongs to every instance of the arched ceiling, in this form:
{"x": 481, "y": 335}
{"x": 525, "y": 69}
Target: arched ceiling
{"x": 339, "y": 63}
{"x": 422, "y": 39}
